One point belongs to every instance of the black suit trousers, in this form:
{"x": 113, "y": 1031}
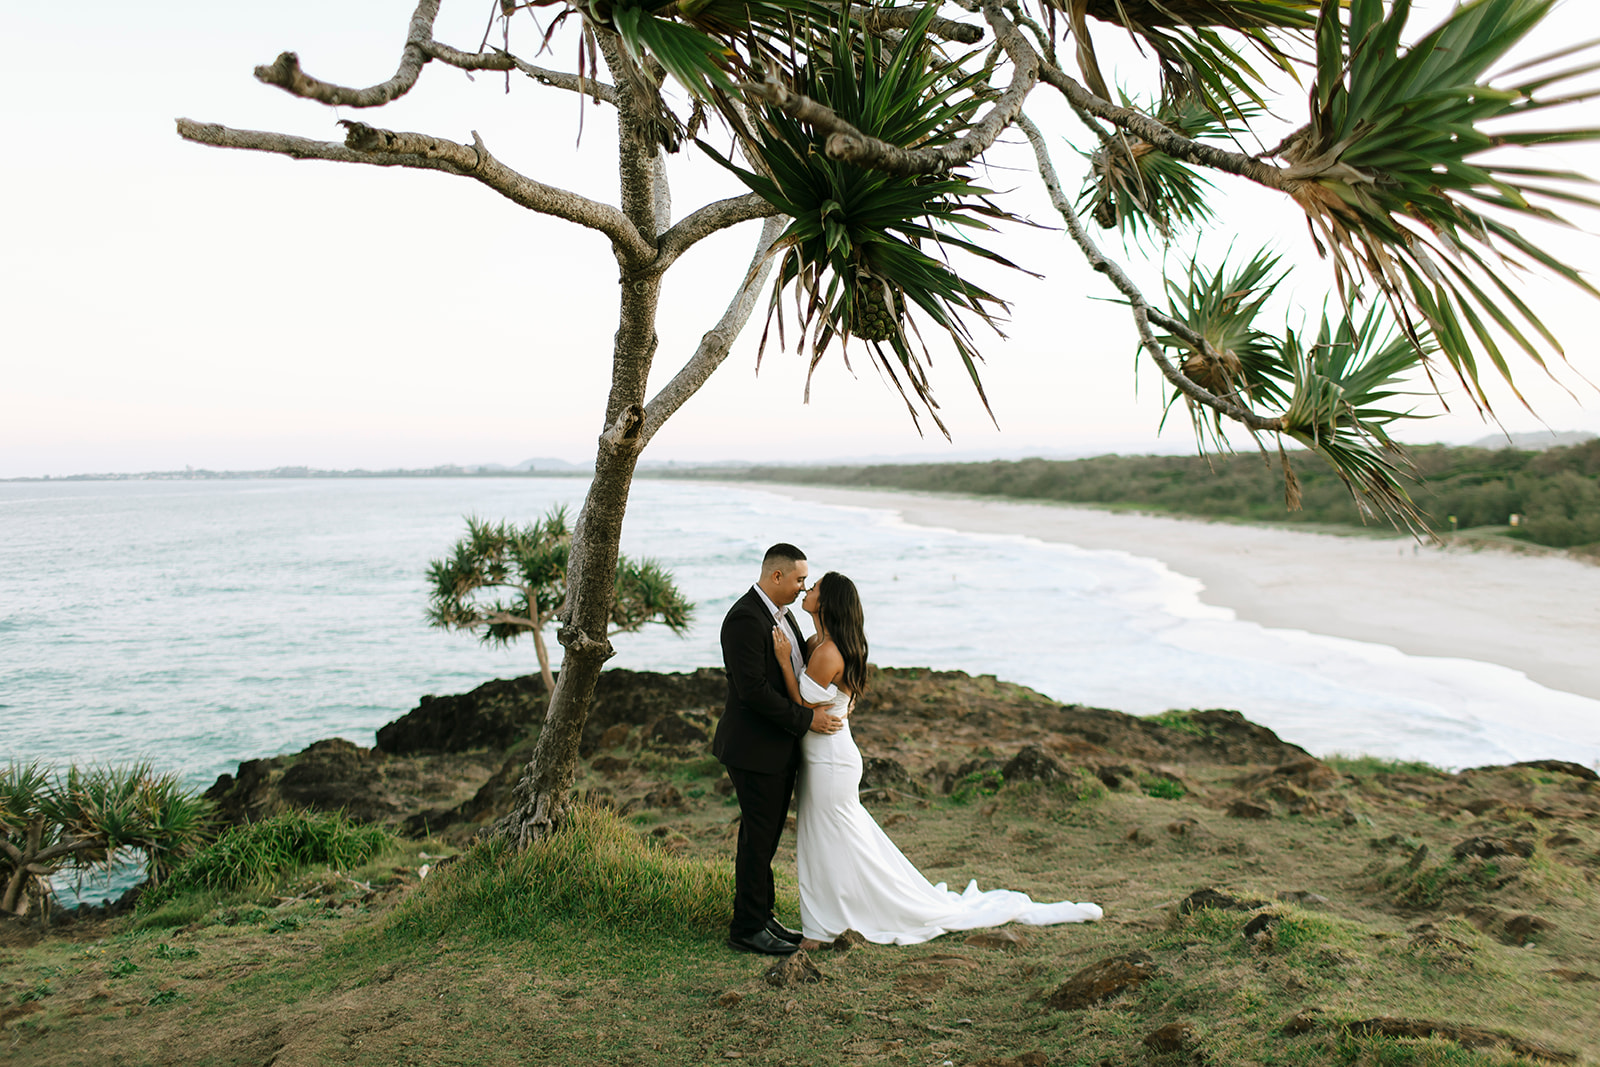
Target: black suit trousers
{"x": 763, "y": 810}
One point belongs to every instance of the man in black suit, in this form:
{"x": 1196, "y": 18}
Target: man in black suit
{"x": 758, "y": 741}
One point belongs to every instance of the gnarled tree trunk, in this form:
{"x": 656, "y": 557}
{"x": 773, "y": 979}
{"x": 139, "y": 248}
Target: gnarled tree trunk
{"x": 541, "y": 796}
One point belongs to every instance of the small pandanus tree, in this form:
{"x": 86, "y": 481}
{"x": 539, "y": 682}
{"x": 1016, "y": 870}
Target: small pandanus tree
{"x": 853, "y": 127}
{"x": 87, "y": 817}
{"x": 504, "y": 581}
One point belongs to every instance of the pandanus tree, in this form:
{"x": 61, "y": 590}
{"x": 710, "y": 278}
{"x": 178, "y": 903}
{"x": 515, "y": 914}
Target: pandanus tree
{"x": 83, "y": 817}
{"x": 503, "y": 581}
{"x": 857, "y": 129}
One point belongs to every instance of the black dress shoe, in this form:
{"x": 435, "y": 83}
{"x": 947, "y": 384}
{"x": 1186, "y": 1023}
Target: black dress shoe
{"x": 763, "y": 942}
{"x": 783, "y": 933}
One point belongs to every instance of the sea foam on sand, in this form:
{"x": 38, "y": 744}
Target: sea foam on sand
{"x": 1454, "y": 657}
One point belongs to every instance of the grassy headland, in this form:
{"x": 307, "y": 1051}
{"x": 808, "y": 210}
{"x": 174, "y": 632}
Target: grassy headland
{"x": 1366, "y": 913}
{"x": 1556, "y": 492}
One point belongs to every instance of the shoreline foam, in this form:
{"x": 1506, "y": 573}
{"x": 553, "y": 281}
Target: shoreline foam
{"x": 1536, "y": 614}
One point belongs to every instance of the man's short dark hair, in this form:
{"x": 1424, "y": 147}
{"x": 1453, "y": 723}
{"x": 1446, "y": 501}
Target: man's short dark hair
{"x": 781, "y": 556}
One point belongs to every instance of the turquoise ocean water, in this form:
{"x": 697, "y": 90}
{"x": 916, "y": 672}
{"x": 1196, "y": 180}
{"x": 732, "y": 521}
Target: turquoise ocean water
{"x": 200, "y": 623}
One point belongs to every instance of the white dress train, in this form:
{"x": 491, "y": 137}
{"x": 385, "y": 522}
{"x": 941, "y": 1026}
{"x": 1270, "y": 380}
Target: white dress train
{"x": 852, "y": 877}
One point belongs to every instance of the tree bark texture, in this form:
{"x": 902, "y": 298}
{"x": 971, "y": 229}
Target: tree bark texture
{"x": 543, "y": 795}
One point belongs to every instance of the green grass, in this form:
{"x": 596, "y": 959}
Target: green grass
{"x": 1367, "y": 766}
{"x": 257, "y": 857}
{"x": 978, "y": 784}
{"x": 1181, "y": 720}
{"x": 594, "y": 872}
{"x": 1162, "y": 788}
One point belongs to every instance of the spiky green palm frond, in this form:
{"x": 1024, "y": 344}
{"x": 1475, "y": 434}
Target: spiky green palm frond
{"x": 1196, "y": 60}
{"x": 21, "y": 785}
{"x": 1340, "y": 404}
{"x": 856, "y": 257}
{"x": 1240, "y": 360}
{"x": 1136, "y": 188}
{"x": 706, "y": 44}
{"x": 501, "y": 578}
{"x": 89, "y": 816}
{"x": 646, "y": 593}
{"x": 506, "y": 581}
{"x": 1392, "y": 176}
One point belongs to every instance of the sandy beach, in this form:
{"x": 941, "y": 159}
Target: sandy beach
{"x": 1536, "y": 614}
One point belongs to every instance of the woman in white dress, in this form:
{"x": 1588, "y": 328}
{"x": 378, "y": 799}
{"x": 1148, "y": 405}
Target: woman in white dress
{"x": 852, "y": 877}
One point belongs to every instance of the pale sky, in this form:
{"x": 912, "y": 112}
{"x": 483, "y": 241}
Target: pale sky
{"x": 168, "y": 304}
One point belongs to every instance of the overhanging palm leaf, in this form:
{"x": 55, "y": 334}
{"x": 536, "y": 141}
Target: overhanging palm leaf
{"x": 1240, "y": 361}
{"x": 704, "y": 43}
{"x": 1390, "y": 176}
{"x": 1196, "y": 61}
{"x": 1134, "y": 186}
{"x": 855, "y": 256}
{"x": 1339, "y": 408}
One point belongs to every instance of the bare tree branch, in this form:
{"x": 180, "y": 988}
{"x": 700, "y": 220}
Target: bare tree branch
{"x": 845, "y": 142}
{"x": 386, "y": 148}
{"x": 1162, "y": 136}
{"x": 1142, "y": 312}
{"x": 718, "y": 340}
{"x": 495, "y": 59}
{"x": 707, "y": 221}
{"x": 1040, "y": 34}
{"x": 879, "y": 19}
{"x": 286, "y": 74}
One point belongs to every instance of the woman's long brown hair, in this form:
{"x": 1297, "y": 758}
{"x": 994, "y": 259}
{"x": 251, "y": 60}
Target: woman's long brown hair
{"x": 842, "y": 619}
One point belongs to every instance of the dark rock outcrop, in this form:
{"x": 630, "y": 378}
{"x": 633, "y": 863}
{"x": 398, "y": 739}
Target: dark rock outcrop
{"x": 1307, "y": 774}
{"x": 1212, "y": 898}
{"x": 1103, "y": 980}
{"x": 1003, "y": 938}
{"x": 793, "y": 970}
{"x": 675, "y": 732}
{"x": 877, "y": 772}
{"x": 501, "y": 713}
{"x": 1034, "y": 764}
{"x": 453, "y": 760}
{"x": 336, "y": 775}
{"x": 1561, "y": 766}
{"x": 1490, "y": 847}
{"x": 1261, "y": 924}
{"x": 1173, "y": 1037}
{"x": 1244, "y": 809}
{"x": 494, "y": 716}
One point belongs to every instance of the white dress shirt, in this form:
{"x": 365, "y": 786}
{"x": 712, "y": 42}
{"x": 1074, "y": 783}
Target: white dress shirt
{"x": 781, "y": 617}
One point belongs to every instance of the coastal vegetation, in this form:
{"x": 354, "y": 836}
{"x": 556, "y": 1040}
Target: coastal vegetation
{"x": 53, "y": 821}
{"x": 1544, "y": 498}
{"x": 505, "y": 580}
{"x": 860, "y": 132}
{"x": 1263, "y": 907}
{"x": 253, "y": 860}
{"x": 598, "y": 873}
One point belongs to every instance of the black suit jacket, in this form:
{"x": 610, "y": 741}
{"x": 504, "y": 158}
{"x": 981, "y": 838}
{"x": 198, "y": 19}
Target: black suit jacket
{"x": 761, "y": 727}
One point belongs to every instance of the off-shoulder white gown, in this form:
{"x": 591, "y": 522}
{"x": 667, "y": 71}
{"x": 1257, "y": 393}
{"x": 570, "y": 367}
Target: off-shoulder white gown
{"x": 852, "y": 877}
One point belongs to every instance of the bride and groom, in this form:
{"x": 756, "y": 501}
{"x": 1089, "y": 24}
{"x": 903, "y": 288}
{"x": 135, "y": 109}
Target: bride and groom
{"x": 787, "y": 717}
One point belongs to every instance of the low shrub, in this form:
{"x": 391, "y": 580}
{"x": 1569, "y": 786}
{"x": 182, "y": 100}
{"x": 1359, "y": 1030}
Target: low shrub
{"x": 262, "y": 854}
{"x": 1367, "y": 766}
{"x": 1183, "y": 721}
{"x": 1161, "y": 787}
{"x": 595, "y": 872}
{"x": 977, "y": 784}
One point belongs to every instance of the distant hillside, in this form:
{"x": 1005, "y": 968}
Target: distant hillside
{"x": 1554, "y": 493}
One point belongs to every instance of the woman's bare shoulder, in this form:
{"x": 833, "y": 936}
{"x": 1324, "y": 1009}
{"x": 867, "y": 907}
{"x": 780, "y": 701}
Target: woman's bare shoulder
{"x": 826, "y": 663}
